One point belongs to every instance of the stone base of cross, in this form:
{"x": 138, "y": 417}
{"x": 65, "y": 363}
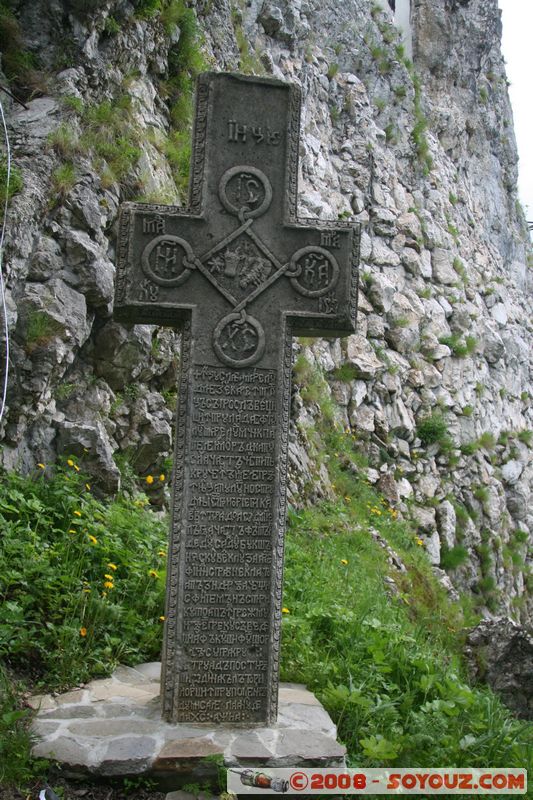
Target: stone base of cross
{"x": 239, "y": 275}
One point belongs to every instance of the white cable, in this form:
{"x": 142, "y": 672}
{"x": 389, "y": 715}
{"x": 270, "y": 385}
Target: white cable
{"x": 2, "y": 292}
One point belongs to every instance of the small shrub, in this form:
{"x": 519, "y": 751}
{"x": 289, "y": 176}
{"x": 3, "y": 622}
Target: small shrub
{"x": 146, "y": 9}
{"x": 467, "y": 411}
{"x": 73, "y": 103}
{"x": 526, "y": 437}
{"x": 453, "y": 557}
{"x": 64, "y": 178}
{"x": 520, "y": 536}
{"x": 460, "y": 348}
{"x": 40, "y": 330}
{"x": 487, "y": 441}
{"x": 503, "y": 438}
{"x": 481, "y": 493}
{"x": 332, "y": 70}
{"x": 64, "y": 140}
{"x": 487, "y": 584}
{"x": 345, "y": 373}
{"x": 111, "y": 26}
{"x": 16, "y": 184}
{"x": 432, "y": 429}
{"x": 391, "y": 133}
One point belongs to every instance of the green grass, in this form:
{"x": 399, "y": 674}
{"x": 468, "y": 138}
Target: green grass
{"x": 16, "y": 184}
{"x": 18, "y": 63}
{"x": 61, "y": 624}
{"x": 186, "y": 61}
{"x": 40, "y": 329}
{"x": 64, "y": 179}
{"x": 453, "y": 557}
{"x": 17, "y": 768}
{"x": 459, "y": 347}
{"x": 432, "y": 429}
{"x": 388, "y": 669}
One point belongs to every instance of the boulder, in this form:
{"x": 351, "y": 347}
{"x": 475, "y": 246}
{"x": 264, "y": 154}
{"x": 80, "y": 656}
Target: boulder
{"x": 500, "y": 653}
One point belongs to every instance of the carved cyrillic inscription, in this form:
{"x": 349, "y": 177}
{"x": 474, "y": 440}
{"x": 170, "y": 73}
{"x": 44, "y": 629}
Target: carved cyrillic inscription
{"x": 259, "y": 134}
{"x": 228, "y": 562}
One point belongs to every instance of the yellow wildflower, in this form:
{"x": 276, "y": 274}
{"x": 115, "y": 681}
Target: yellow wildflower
{"x": 161, "y": 477}
{"x": 285, "y": 611}
{"x": 108, "y": 585}
{"x": 76, "y": 467}
{"x": 420, "y": 542}
{"x": 343, "y": 561}
{"x": 83, "y": 631}
{"x": 149, "y": 479}
{"x": 77, "y": 513}
{"x": 92, "y": 539}
{"x": 87, "y": 487}
{"x": 109, "y": 577}
{"x": 86, "y": 590}
{"x": 70, "y": 462}
{"x": 111, "y": 565}
{"x": 41, "y": 466}
{"x": 153, "y": 574}
{"x": 72, "y": 530}
{"x": 162, "y": 554}
{"x": 162, "y": 619}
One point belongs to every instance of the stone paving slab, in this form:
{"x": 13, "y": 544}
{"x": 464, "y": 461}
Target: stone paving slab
{"x": 113, "y": 727}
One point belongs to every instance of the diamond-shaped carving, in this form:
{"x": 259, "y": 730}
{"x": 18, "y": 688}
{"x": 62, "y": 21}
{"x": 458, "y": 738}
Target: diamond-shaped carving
{"x": 240, "y": 267}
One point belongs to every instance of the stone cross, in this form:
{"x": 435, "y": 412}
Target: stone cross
{"x": 239, "y": 275}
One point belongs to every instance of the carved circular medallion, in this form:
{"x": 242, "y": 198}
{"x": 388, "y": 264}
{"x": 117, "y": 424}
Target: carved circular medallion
{"x": 313, "y": 271}
{"x": 245, "y": 190}
{"x": 166, "y": 260}
{"x": 239, "y": 340}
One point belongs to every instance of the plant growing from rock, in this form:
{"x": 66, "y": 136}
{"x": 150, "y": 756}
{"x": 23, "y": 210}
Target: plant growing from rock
{"x": 433, "y": 429}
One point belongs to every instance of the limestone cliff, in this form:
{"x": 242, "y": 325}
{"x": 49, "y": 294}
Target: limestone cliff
{"x": 437, "y": 383}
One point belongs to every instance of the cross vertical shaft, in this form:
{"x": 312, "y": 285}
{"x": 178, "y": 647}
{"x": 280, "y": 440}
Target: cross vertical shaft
{"x": 239, "y": 274}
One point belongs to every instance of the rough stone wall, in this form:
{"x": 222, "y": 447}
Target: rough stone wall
{"x": 423, "y": 157}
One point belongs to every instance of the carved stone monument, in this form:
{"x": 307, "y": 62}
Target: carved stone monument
{"x": 239, "y": 275}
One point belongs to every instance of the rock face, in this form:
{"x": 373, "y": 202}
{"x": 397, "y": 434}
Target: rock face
{"x": 500, "y": 653}
{"x": 422, "y": 154}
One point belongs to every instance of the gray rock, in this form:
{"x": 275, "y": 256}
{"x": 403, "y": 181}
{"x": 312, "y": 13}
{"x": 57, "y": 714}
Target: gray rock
{"x": 65, "y": 750}
{"x": 60, "y": 311}
{"x": 89, "y": 441}
{"x": 424, "y": 519}
{"x": 511, "y": 471}
{"x": 381, "y": 293}
{"x": 362, "y": 357}
{"x": 500, "y": 653}
{"x": 92, "y": 274}
{"x": 443, "y": 271}
{"x": 128, "y": 754}
{"x": 46, "y": 259}
{"x": 446, "y": 523}
{"x": 493, "y": 347}
{"x": 121, "y": 353}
